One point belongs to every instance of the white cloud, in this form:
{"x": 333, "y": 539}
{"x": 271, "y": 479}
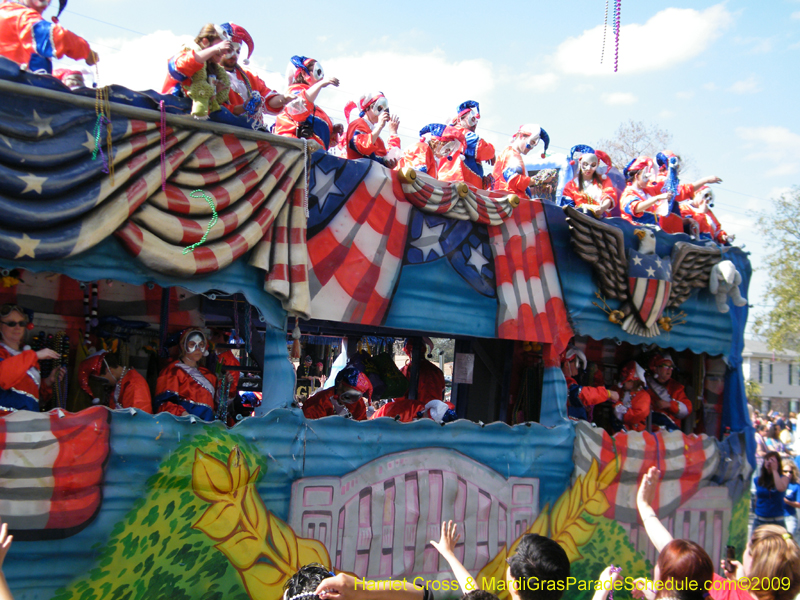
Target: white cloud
{"x": 796, "y": 15}
{"x": 619, "y": 98}
{"x": 648, "y": 47}
{"x": 666, "y": 114}
{"x": 745, "y": 86}
{"x": 137, "y": 63}
{"x": 688, "y": 95}
{"x": 710, "y": 86}
{"x": 582, "y": 88}
{"x": 776, "y": 145}
{"x": 544, "y": 82}
{"x": 431, "y": 91}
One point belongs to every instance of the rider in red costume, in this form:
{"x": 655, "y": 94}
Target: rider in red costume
{"x": 30, "y": 41}
{"x": 442, "y": 143}
{"x": 130, "y": 388}
{"x": 510, "y": 174}
{"x": 466, "y": 166}
{"x": 590, "y": 188}
{"x": 301, "y": 117}
{"x": 668, "y": 397}
{"x": 582, "y": 398}
{"x": 363, "y": 134}
{"x": 246, "y": 86}
{"x": 345, "y": 398}
{"x": 633, "y": 406}
{"x": 183, "y": 387}
{"x": 699, "y": 209}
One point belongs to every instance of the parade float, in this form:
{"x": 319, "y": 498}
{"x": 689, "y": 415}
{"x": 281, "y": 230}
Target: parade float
{"x": 156, "y": 218}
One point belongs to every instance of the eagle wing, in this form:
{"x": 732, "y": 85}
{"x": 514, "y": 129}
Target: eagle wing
{"x": 603, "y": 246}
{"x": 691, "y": 267}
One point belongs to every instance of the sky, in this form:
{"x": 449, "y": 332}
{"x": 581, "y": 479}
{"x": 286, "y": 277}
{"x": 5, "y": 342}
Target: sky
{"x": 720, "y": 77}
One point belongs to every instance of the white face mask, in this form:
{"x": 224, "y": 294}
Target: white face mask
{"x": 317, "y": 73}
{"x": 470, "y": 119}
{"x": 380, "y": 105}
{"x": 447, "y": 149}
{"x": 195, "y": 341}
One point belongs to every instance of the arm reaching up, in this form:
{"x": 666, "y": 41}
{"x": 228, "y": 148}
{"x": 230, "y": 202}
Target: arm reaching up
{"x": 656, "y": 531}
{"x": 5, "y": 544}
{"x": 447, "y": 548}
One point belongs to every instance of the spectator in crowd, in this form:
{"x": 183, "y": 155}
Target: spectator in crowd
{"x": 32, "y": 42}
{"x": 682, "y": 561}
{"x": 304, "y": 370}
{"x": 130, "y": 388}
{"x": 544, "y": 560}
{"x": 790, "y": 500}
{"x": 364, "y": 133}
{"x": 21, "y": 384}
{"x": 248, "y": 94}
{"x": 5, "y": 545}
{"x": 302, "y": 117}
{"x": 771, "y": 485}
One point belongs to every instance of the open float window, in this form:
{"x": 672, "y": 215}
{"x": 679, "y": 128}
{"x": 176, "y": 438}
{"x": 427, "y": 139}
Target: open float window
{"x": 138, "y": 327}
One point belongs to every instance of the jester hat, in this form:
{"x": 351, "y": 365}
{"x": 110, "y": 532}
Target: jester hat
{"x": 238, "y": 34}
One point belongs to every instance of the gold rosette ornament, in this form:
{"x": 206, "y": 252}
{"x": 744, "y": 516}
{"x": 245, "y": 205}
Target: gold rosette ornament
{"x": 263, "y": 549}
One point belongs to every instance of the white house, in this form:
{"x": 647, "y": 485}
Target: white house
{"x": 778, "y": 373}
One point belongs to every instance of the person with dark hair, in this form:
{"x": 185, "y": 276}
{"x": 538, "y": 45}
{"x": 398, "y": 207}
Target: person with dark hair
{"x": 771, "y": 487}
{"x": 541, "y": 558}
{"x": 345, "y": 398}
{"x": 130, "y": 388}
{"x": 315, "y": 582}
{"x": 21, "y": 381}
{"x": 305, "y": 582}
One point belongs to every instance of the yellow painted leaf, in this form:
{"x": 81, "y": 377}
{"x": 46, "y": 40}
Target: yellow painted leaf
{"x": 219, "y": 520}
{"x": 254, "y": 511}
{"x": 592, "y": 472}
{"x": 238, "y": 468}
{"x": 283, "y": 540}
{"x": 567, "y": 543}
{"x": 254, "y": 475}
{"x": 559, "y": 515}
{"x": 312, "y": 551}
{"x": 264, "y": 581}
{"x": 608, "y": 475}
{"x": 575, "y": 500}
{"x": 495, "y": 569}
{"x": 211, "y": 480}
{"x": 242, "y": 549}
{"x": 597, "y": 505}
{"x": 541, "y": 524}
{"x": 590, "y": 482}
{"x": 581, "y": 531}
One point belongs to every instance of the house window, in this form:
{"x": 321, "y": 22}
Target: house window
{"x": 761, "y": 371}
{"x": 770, "y": 372}
{"x": 790, "y": 373}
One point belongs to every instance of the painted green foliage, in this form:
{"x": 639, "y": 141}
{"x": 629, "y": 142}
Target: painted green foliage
{"x": 154, "y": 552}
{"x": 737, "y": 534}
{"x": 609, "y": 545}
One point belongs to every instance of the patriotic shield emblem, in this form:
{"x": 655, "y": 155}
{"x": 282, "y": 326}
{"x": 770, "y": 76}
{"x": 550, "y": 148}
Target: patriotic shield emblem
{"x": 649, "y": 281}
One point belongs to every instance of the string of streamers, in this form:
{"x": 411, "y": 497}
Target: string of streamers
{"x": 102, "y": 109}
{"x": 617, "y": 14}
{"x": 211, "y": 223}
{"x": 613, "y": 570}
{"x": 163, "y": 146}
{"x": 305, "y": 176}
{"x": 222, "y": 397}
{"x": 605, "y": 28}
{"x": 236, "y": 331}
{"x": 248, "y": 329}
{"x": 87, "y": 320}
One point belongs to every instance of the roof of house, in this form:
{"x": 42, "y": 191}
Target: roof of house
{"x": 759, "y": 348}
